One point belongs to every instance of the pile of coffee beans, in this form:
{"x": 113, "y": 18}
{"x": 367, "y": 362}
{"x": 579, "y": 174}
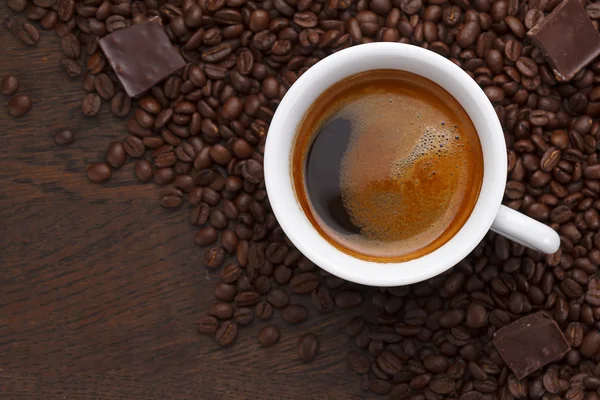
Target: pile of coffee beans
{"x": 200, "y": 135}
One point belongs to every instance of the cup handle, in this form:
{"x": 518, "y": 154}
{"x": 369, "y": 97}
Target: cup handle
{"x": 525, "y": 230}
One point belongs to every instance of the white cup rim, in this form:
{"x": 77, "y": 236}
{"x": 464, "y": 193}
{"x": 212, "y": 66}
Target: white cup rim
{"x": 301, "y": 95}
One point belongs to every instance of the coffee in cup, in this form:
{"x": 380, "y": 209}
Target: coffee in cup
{"x": 387, "y": 165}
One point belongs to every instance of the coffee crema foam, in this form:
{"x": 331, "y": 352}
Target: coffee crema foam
{"x": 411, "y": 170}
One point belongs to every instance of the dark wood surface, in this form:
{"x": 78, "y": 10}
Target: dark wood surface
{"x": 100, "y": 288}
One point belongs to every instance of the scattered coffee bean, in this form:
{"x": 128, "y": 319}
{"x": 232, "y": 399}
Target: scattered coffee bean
{"x": 208, "y": 324}
{"x": 17, "y": 5}
{"x": 115, "y": 155}
{"x": 264, "y": 310}
{"x": 278, "y": 298}
{"x": 10, "y": 84}
{"x": 106, "y": 89}
{"x": 348, "y": 298}
{"x": 359, "y": 362}
{"x": 221, "y": 310}
{"x": 91, "y": 104}
{"x": 28, "y": 34}
{"x": 227, "y": 333}
{"x": 295, "y": 313}
{"x": 243, "y": 316}
{"x": 99, "y": 172}
{"x": 213, "y": 258}
{"x": 120, "y": 104}
{"x": 64, "y": 137}
{"x": 308, "y": 346}
{"x": 170, "y": 197}
{"x": 143, "y": 170}
{"x": 268, "y": 336}
{"x": 19, "y": 105}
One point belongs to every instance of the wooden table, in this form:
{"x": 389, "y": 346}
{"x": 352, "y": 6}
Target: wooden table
{"x": 100, "y": 288}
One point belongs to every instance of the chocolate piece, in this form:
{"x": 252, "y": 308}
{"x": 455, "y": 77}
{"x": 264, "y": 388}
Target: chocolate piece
{"x": 141, "y": 56}
{"x": 567, "y": 38}
{"x": 529, "y": 343}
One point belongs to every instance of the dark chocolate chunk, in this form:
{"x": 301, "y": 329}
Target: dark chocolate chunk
{"x": 529, "y": 343}
{"x": 141, "y": 56}
{"x": 567, "y": 38}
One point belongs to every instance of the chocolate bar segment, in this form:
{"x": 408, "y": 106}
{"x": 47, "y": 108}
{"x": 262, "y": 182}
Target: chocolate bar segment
{"x": 141, "y": 56}
{"x": 529, "y": 343}
{"x": 567, "y": 38}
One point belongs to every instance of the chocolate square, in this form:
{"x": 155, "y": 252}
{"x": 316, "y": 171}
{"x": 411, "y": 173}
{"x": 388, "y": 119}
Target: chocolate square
{"x": 529, "y": 343}
{"x": 567, "y": 39}
{"x": 141, "y": 56}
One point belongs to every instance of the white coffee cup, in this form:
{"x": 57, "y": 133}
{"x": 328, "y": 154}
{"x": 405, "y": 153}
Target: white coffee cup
{"x": 487, "y": 214}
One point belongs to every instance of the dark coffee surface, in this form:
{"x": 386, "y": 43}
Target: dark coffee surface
{"x": 392, "y": 165}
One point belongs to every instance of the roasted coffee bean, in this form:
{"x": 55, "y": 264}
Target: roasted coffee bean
{"x": 213, "y": 258}
{"x": 358, "y": 362}
{"x": 247, "y": 298}
{"x": 295, "y": 313}
{"x": 229, "y": 241}
{"x": 219, "y": 154}
{"x": 243, "y": 316}
{"x": 389, "y": 362}
{"x": 278, "y": 298}
{"x": 304, "y": 283}
{"x": 120, "y": 104}
{"x": 264, "y": 310}
{"x": 19, "y": 105}
{"x": 348, "y": 298}
{"x": 71, "y": 67}
{"x": 468, "y": 34}
{"x": 28, "y": 34}
{"x": 115, "y": 155}
{"x": 88, "y": 82}
{"x": 590, "y": 344}
{"x": 91, "y": 104}
{"x": 17, "y": 5}
{"x": 64, "y": 137}
{"x": 98, "y": 173}
{"x": 10, "y": 84}
{"x": 230, "y": 273}
{"x": 225, "y": 292}
{"x": 355, "y": 326}
{"x": 435, "y": 363}
{"x": 104, "y": 86}
{"x": 268, "y": 336}
{"x": 143, "y": 170}
{"x": 227, "y": 333}
{"x": 526, "y": 66}
{"x": 221, "y": 310}
{"x": 322, "y": 299}
{"x": 550, "y": 159}
{"x": 308, "y": 346}
{"x": 207, "y": 324}
{"x": 441, "y": 385}
{"x": 70, "y": 46}
{"x": 252, "y": 171}
{"x": 170, "y": 197}
{"x": 134, "y": 147}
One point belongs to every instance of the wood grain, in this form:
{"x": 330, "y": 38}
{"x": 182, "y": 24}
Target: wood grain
{"x": 100, "y": 288}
